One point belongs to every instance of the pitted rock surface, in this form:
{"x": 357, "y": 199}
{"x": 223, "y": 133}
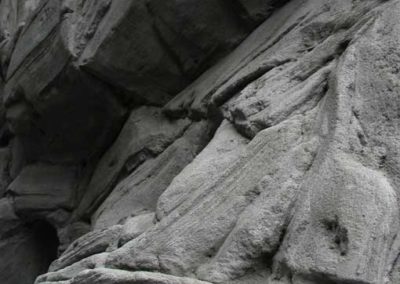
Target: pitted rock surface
{"x": 199, "y": 142}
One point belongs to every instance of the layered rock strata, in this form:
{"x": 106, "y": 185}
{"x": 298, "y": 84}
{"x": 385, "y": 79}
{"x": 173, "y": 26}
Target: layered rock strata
{"x": 191, "y": 142}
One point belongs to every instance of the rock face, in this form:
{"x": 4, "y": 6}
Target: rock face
{"x": 199, "y": 141}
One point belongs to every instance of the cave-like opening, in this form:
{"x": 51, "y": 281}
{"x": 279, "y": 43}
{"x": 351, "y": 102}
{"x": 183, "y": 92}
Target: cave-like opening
{"x": 46, "y": 242}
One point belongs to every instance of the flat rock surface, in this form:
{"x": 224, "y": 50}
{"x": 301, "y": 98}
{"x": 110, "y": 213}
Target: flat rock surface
{"x": 44, "y": 187}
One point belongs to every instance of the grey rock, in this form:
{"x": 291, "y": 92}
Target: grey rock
{"x": 139, "y": 192}
{"x": 183, "y": 240}
{"x": 90, "y": 244}
{"x": 5, "y": 157}
{"x": 69, "y": 272}
{"x": 103, "y": 275}
{"x": 225, "y": 147}
{"x": 136, "y": 226}
{"x": 176, "y": 40}
{"x": 46, "y": 113}
{"x": 71, "y": 231}
{"x": 21, "y": 247}
{"x": 287, "y": 48}
{"x": 44, "y": 187}
{"x": 85, "y": 18}
{"x": 354, "y": 216}
{"x": 256, "y": 11}
{"x": 57, "y": 282}
{"x": 9, "y": 220}
{"x": 46, "y": 98}
{"x": 137, "y": 74}
{"x": 111, "y": 166}
{"x": 197, "y": 31}
{"x": 13, "y": 18}
{"x": 145, "y": 134}
{"x": 34, "y": 32}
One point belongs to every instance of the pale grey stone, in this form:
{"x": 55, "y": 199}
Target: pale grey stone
{"x": 69, "y": 272}
{"x": 105, "y": 276}
{"x": 90, "y": 244}
{"x": 190, "y": 141}
{"x": 139, "y": 192}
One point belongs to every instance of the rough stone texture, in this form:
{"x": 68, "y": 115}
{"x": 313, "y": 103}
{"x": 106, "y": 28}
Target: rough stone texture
{"x": 116, "y": 276}
{"x": 136, "y": 226}
{"x": 174, "y": 41}
{"x": 139, "y": 192}
{"x": 90, "y": 244}
{"x": 69, "y": 272}
{"x": 199, "y": 141}
{"x": 145, "y": 134}
{"x": 47, "y": 98}
{"x": 182, "y": 240}
{"x": 42, "y": 187}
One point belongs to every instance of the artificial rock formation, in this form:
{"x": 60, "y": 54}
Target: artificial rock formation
{"x": 199, "y": 141}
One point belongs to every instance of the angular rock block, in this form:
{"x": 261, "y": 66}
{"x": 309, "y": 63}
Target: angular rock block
{"x": 146, "y": 71}
{"x": 282, "y": 54}
{"x": 165, "y": 44}
{"x": 197, "y": 31}
{"x": 183, "y": 240}
{"x": 14, "y": 16}
{"x": 43, "y": 187}
{"x": 145, "y": 135}
{"x": 139, "y": 192}
{"x": 59, "y": 114}
{"x": 220, "y": 153}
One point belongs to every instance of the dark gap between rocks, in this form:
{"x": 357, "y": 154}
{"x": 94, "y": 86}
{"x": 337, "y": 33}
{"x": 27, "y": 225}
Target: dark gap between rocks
{"x": 46, "y": 241}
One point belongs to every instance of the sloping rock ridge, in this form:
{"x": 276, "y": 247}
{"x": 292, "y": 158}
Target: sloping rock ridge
{"x": 199, "y": 142}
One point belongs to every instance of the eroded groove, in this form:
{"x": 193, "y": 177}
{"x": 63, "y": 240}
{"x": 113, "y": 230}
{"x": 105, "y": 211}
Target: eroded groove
{"x": 241, "y": 83}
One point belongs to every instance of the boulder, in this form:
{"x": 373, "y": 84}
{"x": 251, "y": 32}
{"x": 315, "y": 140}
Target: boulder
{"x": 174, "y": 41}
{"x": 44, "y": 187}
